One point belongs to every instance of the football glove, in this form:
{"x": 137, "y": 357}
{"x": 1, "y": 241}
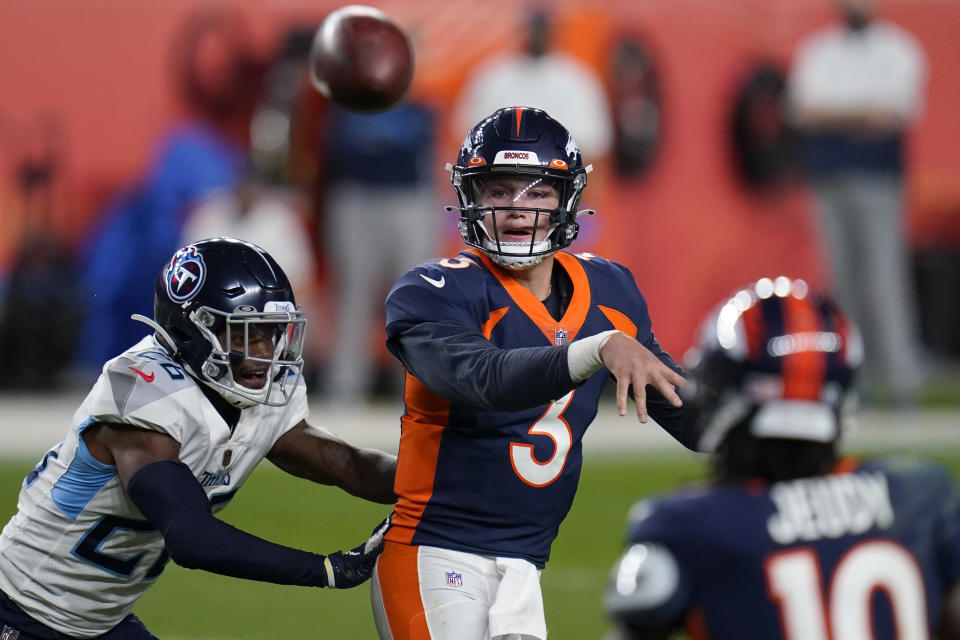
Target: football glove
{"x": 346, "y": 569}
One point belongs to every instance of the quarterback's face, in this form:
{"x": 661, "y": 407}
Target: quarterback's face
{"x": 516, "y": 191}
{"x": 256, "y": 343}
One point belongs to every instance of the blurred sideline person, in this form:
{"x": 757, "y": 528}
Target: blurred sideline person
{"x": 274, "y": 214}
{"x": 542, "y": 76}
{"x": 507, "y": 348}
{"x": 789, "y": 540}
{"x": 218, "y": 78}
{"x": 271, "y": 212}
{"x": 380, "y": 196}
{"x": 854, "y": 89}
{"x": 168, "y": 434}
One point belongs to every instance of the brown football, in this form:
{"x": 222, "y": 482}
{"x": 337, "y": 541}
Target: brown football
{"x": 361, "y": 59}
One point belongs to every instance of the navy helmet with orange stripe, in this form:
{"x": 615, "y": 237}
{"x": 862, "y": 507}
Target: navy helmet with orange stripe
{"x": 524, "y": 142}
{"x": 781, "y": 357}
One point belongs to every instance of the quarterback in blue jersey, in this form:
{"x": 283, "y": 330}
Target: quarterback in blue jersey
{"x": 168, "y": 434}
{"x": 507, "y": 348}
{"x": 789, "y": 541}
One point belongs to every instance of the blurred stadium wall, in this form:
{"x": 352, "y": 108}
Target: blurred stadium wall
{"x": 686, "y": 227}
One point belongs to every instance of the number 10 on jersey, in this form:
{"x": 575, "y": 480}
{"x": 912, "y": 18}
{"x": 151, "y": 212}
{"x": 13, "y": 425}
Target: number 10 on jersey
{"x": 794, "y": 579}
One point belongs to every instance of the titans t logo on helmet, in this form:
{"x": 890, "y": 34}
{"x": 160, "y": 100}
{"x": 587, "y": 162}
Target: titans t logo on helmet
{"x": 186, "y": 274}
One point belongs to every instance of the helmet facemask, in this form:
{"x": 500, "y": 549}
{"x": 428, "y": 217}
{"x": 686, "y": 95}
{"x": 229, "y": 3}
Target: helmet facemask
{"x": 487, "y": 226}
{"x": 254, "y": 357}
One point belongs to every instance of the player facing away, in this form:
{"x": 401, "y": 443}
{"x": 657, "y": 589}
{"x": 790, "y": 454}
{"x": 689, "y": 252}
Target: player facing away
{"x": 165, "y": 438}
{"x": 507, "y": 348}
{"x": 789, "y": 541}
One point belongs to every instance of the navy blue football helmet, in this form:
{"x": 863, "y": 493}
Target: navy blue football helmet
{"x": 523, "y": 142}
{"x": 779, "y": 355}
{"x": 213, "y": 299}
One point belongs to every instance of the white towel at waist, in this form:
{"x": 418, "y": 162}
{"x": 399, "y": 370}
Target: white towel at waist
{"x": 517, "y": 609}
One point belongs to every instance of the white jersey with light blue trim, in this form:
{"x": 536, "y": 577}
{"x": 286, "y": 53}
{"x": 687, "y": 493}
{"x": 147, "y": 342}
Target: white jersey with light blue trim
{"x": 78, "y": 553}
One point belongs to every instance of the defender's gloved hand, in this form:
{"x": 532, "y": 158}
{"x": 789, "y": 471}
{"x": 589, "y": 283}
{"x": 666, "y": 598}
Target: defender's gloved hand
{"x": 346, "y": 569}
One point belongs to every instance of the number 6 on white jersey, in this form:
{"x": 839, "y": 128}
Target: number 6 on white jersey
{"x": 552, "y": 424}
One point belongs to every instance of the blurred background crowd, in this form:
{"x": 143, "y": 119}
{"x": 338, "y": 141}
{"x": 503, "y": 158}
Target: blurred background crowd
{"x": 128, "y": 129}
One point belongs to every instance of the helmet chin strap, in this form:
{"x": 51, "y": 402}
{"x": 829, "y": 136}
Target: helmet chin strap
{"x": 516, "y": 263}
{"x": 167, "y": 343}
{"x": 165, "y": 340}
{"x": 516, "y": 255}
{"x": 494, "y": 250}
{"x": 232, "y": 398}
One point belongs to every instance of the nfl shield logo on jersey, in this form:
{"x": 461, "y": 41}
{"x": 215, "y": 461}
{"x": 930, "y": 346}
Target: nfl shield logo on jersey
{"x": 454, "y": 579}
{"x": 9, "y": 633}
{"x": 560, "y": 337}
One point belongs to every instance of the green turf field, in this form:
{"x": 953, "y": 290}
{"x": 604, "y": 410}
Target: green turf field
{"x": 196, "y": 605}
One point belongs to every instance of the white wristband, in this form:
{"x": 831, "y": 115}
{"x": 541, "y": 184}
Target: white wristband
{"x": 583, "y": 356}
{"x": 331, "y": 580}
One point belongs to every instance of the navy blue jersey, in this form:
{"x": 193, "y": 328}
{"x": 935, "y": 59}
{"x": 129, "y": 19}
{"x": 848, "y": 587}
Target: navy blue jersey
{"x": 490, "y": 448}
{"x": 865, "y": 552}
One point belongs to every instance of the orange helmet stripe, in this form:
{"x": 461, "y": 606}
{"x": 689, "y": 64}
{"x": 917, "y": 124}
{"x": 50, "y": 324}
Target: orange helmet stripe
{"x": 803, "y": 370}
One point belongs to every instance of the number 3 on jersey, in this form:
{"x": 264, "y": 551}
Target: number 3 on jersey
{"x": 551, "y": 424}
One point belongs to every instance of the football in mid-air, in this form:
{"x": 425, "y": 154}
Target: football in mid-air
{"x": 361, "y": 60}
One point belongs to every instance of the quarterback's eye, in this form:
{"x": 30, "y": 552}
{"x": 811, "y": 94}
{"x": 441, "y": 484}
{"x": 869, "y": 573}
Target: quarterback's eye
{"x": 495, "y": 194}
{"x": 543, "y": 193}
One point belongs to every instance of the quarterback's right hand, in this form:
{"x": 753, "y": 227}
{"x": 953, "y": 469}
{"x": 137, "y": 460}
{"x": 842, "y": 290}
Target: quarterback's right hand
{"x": 632, "y": 364}
{"x": 346, "y": 569}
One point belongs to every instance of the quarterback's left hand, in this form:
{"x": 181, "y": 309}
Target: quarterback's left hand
{"x": 346, "y": 569}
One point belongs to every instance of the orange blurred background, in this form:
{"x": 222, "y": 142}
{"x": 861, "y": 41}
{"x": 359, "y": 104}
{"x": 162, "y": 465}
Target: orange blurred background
{"x": 688, "y": 229}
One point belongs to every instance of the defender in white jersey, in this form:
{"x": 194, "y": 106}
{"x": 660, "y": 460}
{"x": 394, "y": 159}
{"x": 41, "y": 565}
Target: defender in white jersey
{"x": 169, "y": 432}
